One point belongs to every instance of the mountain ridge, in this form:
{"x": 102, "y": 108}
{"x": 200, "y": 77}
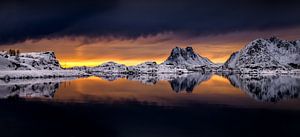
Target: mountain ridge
{"x": 266, "y": 54}
{"x": 270, "y": 54}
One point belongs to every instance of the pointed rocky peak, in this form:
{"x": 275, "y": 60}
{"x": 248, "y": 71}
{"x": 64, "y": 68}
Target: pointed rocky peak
{"x": 184, "y": 52}
{"x": 186, "y": 56}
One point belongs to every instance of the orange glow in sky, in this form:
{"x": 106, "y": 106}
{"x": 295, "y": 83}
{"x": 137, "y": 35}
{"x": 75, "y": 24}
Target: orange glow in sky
{"x": 86, "y": 51}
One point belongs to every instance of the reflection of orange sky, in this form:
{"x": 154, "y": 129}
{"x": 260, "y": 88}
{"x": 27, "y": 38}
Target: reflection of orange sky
{"x": 78, "y": 51}
{"x": 97, "y": 89}
{"x": 216, "y": 90}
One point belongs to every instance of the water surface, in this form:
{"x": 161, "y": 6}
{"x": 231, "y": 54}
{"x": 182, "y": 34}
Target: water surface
{"x": 276, "y": 91}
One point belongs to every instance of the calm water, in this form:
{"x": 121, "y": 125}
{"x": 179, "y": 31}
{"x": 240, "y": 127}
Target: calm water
{"x": 206, "y": 105}
{"x": 164, "y": 90}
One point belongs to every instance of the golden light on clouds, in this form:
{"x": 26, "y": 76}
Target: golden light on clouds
{"x": 79, "y": 51}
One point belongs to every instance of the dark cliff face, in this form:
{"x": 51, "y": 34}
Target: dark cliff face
{"x": 186, "y": 56}
{"x": 187, "y": 53}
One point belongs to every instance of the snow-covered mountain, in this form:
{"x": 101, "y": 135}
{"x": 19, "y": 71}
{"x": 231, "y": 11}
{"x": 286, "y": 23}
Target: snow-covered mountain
{"x": 266, "y": 54}
{"x": 15, "y": 65}
{"x": 187, "y": 57}
{"x": 181, "y": 60}
{"x": 144, "y": 68}
{"x": 29, "y": 61}
{"x": 110, "y": 67}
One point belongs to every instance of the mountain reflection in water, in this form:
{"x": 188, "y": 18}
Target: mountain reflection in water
{"x": 206, "y": 88}
{"x": 271, "y": 88}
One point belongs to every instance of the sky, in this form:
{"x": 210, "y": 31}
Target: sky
{"x": 91, "y": 32}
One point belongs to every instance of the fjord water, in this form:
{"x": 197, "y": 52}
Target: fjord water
{"x": 266, "y": 92}
{"x": 142, "y": 105}
{"x": 277, "y": 91}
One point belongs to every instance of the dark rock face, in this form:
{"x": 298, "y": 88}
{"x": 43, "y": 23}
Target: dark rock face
{"x": 186, "y": 56}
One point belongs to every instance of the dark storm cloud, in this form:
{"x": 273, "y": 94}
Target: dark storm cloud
{"x": 21, "y": 19}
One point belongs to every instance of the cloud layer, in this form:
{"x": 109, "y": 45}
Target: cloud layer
{"x": 33, "y": 19}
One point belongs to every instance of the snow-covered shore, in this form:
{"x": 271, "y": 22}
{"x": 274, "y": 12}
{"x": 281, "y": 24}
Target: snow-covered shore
{"x": 15, "y": 74}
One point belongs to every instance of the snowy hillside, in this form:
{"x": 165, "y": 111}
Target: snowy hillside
{"x": 144, "y": 68}
{"x": 29, "y": 61}
{"x": 33, "y": 65}
{"x": 266, "y": 54}
{"x": 109, "y": 67}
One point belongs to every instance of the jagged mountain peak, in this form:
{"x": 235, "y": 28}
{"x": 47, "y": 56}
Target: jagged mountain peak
{"x": 185, "y": 52}
{"x": 186, "y": 56}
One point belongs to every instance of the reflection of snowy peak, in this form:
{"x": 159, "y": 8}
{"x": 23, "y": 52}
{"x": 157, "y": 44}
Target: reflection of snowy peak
{"x": 267, "y": 54}
{"x": 29, "y": 61}
{"x": 189, "y": 82}
{"x": 267, "y": 88}
{"x": 184, "y": 82}
{"x": 186, "y": 57}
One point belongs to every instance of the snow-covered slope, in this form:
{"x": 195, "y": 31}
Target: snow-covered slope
{"x": 33, "y": 65}
{"x": 29, "y": 61}
{"x": 181, "y": 60}
{"x": 230, "y": 63}
{"x": 144, "y": 68}
{"x": 266, "y": 54}
{"x": 25, "y": 74}
{"x": 109, "y": 67}
{"x": 186, "y": 57}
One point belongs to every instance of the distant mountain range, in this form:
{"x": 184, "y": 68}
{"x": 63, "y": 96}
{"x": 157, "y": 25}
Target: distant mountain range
{"x": 260, "y": 55}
